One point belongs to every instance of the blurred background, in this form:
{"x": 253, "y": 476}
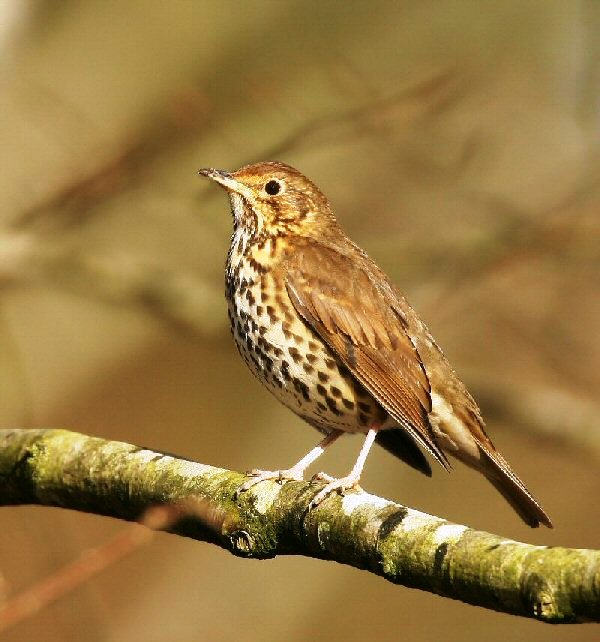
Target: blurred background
{"x": 459, "y": 144}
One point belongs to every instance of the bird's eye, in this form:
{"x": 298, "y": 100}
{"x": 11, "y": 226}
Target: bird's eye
{"x": 272, "y": 187}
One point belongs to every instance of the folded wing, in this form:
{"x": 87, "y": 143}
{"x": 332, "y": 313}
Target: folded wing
{"x": 344, "y": 307}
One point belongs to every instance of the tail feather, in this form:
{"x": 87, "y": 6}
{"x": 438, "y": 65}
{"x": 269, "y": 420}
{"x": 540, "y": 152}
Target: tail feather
{"x": 499, "y": 473}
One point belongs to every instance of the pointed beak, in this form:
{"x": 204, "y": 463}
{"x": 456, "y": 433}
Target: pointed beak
{"x": 218, "y": 175}
{"x": 226, "y": 180}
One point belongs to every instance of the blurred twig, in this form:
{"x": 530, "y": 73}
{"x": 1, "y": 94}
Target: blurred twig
{"x": 420, "y": 100}
{"x": 96, "y": 560}
{"x": 557, "y": 234}
{"x": 59, "y": 468}
{"x": 549, "y": 413}
{"x": 76, "y": 199}
{"x": 181, "y": 299}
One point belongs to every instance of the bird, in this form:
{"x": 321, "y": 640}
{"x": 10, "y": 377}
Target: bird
{"x": 328, "y": 333}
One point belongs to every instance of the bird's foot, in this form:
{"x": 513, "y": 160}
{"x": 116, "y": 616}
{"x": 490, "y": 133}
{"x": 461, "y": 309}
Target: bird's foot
{"x": 349, "y": 482}
{"x": 280, "y": 476}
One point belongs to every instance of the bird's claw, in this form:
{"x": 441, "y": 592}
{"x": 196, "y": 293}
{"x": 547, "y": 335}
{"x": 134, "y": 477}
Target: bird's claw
{"x": 340, "y": 485}
{"x": 257, "y": 476}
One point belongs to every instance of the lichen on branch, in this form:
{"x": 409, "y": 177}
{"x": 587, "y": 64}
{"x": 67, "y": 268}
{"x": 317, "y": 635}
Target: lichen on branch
{"x": 71, "y": 470}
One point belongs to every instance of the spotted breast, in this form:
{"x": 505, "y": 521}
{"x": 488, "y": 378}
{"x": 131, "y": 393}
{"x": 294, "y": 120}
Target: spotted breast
{"x": 282, "y": 351}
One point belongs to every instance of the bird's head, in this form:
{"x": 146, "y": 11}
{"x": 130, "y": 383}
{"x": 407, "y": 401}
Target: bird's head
{"x": 271, "y": 198}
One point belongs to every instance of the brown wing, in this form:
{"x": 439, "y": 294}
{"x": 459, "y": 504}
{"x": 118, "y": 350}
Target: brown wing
{"x": 340, "y": 302}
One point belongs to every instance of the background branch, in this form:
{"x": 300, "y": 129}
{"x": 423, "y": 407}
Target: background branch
{"x": 70, "y": 470}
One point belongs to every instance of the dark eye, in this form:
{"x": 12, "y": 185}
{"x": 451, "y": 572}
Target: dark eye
{"x": 273, "y": 187}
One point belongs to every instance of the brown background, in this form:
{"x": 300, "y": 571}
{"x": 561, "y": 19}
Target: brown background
{"x": 458, "y": 142}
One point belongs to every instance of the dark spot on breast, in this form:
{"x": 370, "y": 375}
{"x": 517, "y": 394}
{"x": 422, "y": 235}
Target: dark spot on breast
{"x": 323, "y": 377}
{"x": 335, "y": 391}
{"x": 262, "y": 330}
{"x": 259, "y": 310}
{"x": 285, "y": 370}
{"x": 321, "y": 406}
{"x": 321, "y": 390}
{"x": 344, "y": 372}
{"x": 298, "y": 339}
{"x": 349, "y": 404}
{"x": 280, "y": 302}
{"x": 365, "y": 407}
{"x": 313, "y": 346}
{"x": 302, "y": 388}
{"x": 307, "y": 367}
{"x": 330, "y": 363}
{"x": 277, "y": 351}
{"x": 332, "y": 406}
{"x": 257, "y": 267}
{"x": 311, "y": 358}
{"x": 295, "y": 354}
{"x": 363, "y": 419}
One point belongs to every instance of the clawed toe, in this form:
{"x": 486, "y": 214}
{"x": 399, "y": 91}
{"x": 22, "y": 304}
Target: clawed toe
{"x": 339, "y": 485}
{"x": 350, "y": 482}
{"x": 258, "y": 476}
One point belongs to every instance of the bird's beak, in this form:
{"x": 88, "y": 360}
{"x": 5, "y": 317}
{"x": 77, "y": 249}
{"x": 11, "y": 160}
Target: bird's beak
{"x": 226, "y": 180}
{"x": 219, "y": 175}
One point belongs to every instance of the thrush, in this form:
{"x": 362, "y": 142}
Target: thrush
{"x": 325, "y": 330}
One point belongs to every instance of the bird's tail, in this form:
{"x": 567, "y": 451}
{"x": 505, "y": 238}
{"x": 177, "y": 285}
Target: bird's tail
{"x": 500, "y": 474}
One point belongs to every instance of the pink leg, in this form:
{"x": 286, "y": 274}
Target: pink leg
{"x": 297, "y": 470}
{"x": 351, "y": 480}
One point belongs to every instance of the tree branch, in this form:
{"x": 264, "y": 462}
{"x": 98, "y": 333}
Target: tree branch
{"x": 70, "y": 470}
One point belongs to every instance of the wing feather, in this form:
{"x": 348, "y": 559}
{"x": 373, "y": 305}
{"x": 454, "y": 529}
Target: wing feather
{"x": 341, "y": 304}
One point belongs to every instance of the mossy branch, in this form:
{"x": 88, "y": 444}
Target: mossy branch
{"x": 70, "y": 470}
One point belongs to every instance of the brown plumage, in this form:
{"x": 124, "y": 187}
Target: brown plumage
{"x": 327, "y": 332}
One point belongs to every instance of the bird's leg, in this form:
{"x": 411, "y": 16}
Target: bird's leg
{"x": 297, "y": 470}
{"x": 351, "y": 480}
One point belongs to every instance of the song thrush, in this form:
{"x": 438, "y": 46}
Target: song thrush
{"x": 324, "y": 329}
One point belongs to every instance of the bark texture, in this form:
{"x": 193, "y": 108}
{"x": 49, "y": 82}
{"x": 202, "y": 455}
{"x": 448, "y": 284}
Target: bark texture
{"x": 71, "y": 470}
